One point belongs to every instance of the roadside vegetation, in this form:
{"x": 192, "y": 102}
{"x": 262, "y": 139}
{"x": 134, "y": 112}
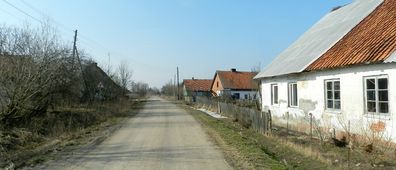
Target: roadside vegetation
{"x": 51, "y": 92}
{"x": 247, "y": 149}
{"x": 283, "y": 148}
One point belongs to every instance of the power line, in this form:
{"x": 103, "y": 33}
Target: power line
{"x": 10, "y": 14}
{"x": 45, "y": 15}
{"x": 82, "y": 36}
{"x": 20, "y": 10}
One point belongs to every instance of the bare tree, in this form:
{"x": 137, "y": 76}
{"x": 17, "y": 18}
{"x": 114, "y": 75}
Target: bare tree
{"x": 124, "y": 76}
{"x": 35, "y": 67}
{"x": 140, "y": 88}
{"x": 256, "y": 68}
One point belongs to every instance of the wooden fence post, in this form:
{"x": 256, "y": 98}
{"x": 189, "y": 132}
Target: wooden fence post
{"x": 287, "y": 125}
{"x": 269, "y": 117}
{"x": 310, "y": 126}
{"x": 218, "y": 107}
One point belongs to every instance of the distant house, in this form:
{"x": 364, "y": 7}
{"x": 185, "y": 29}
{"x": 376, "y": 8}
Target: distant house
{"x": 99, "y": 85}
{"x": 236, "y": 84}
{"x": 341, "y": 70}
{"x": 196, "y": 87}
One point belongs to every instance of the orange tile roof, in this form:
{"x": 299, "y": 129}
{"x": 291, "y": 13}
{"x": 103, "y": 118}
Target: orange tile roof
{"x": 198, "y": 84}
{"x": 371, "y": 41}
{"x": 237, "y": 80}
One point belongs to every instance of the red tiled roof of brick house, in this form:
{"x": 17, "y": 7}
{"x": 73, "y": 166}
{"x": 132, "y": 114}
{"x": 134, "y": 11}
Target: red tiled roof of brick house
{"x": 198, "y": 84}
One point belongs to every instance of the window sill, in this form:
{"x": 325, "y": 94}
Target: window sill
{"x": 333, "y": 111}
{"x": 378, "y": 116}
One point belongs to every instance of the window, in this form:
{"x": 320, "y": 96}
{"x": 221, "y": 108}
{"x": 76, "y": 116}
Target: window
{"x": 293, "y": 95}
{"x": 236, "y": 96}
{"x": 376, "y": 96}
{"x": 217, "y": 84}
{"x": 274, "y": 94}
{"x": 333, "y": 94}
{"x": 246, "y": 96}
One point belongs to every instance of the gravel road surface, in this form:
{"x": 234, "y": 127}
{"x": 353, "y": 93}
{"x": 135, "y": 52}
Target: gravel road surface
{"x": 161, "y": 136}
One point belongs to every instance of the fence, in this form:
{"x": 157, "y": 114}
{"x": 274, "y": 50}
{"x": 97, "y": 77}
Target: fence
{"x": 249, "y": 118}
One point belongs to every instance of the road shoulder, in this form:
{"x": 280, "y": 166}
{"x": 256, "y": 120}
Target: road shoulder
{"x": 84, "y": 140}
{"x": 246, "y": 149}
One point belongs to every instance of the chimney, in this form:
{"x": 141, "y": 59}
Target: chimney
{"x": 233, "y": 70}
{"x": 192, "y": 78}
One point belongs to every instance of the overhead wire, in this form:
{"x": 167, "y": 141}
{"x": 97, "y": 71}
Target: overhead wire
{"x": 20, "y": 10}
{"x": 10, "y": 14}
{"x": 83, "y": 38}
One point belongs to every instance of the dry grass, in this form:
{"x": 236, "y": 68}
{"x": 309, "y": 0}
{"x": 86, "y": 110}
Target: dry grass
{"x": 303, "y": 150}
{"x": 247, "y": 149}
{"x": 62, "y": 126}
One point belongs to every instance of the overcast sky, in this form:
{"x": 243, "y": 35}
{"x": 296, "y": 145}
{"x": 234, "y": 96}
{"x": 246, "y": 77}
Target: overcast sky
{"x": 155, "y": 36}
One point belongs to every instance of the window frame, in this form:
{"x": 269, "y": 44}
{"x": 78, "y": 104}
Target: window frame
{"x": 273, "y": 102}
{"x": 326, "y": 90}
{"x": 290, "y": 94}
{"x": 376, "y": 90}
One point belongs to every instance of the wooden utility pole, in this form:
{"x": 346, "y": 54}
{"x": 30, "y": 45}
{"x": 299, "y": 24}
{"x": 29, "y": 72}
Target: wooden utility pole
{"x": 75, "y": 52}
{"x": 74, "y": 57}
{"x": 178, "y": 91}
{"x": 174, "y": 85}
{"x": 74, "y": 47}
{"x": 77, "y": 56}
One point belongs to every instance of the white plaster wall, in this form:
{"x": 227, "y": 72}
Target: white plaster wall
{"x": 311, "y": 90}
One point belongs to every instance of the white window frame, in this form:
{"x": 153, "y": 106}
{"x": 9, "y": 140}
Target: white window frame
{"x": 333, "y": 94}
{"x": 290, "y": 94}
{"x": 273, "y": 101}
{"x": 377, "y": 107}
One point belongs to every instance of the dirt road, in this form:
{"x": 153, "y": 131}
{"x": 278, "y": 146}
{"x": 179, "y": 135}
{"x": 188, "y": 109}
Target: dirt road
{"x": 161, "y": 136}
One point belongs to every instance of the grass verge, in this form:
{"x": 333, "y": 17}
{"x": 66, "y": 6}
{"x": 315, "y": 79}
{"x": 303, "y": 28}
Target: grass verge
{"x": 247, "y": 149}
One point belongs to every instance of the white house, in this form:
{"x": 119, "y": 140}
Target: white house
{"x": 343, "y": 69}
{"x": 237, "y": 84}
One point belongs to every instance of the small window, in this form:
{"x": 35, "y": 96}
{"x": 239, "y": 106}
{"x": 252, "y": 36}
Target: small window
{"x": 236, "y": 96}
{"x": 333, "y": 94}
{"x": 274, "y": 94}
{"x": 293, "y": 95}
{"x": 246, "y": 96}
{"x": 376, "y": 97}
{"x": 217, "y": 83}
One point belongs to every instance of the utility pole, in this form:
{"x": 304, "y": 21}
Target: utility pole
{"x": 74, "y": 46}
{"x": 75, "y": 51}
{"x": 178, "y": 90}
{"x": 77, "y": 56}
{"x": 174, "y": 86}
{"x": 74, "y": 57}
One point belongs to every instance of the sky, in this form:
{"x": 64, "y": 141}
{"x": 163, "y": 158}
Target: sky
{"x": 155, "y": 36}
